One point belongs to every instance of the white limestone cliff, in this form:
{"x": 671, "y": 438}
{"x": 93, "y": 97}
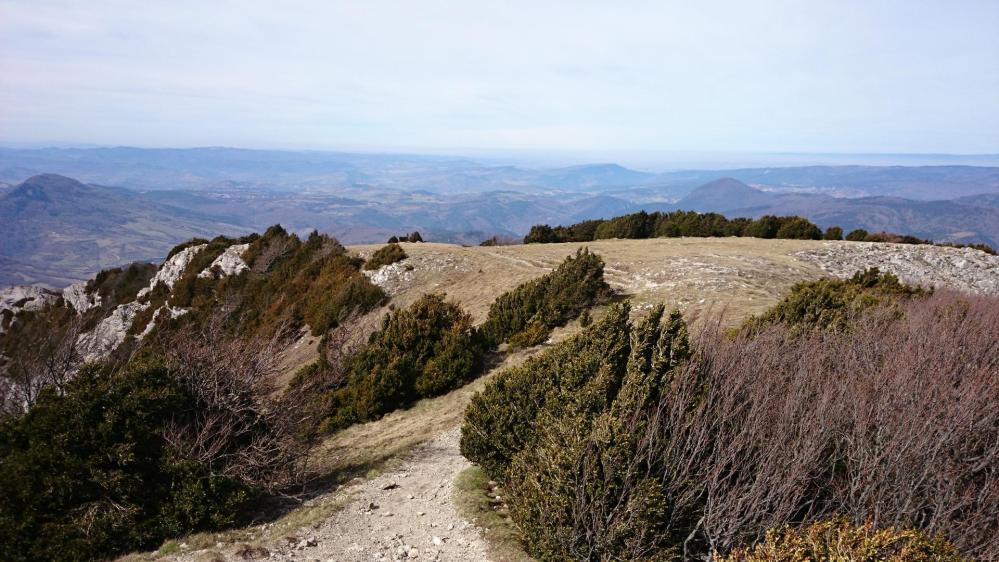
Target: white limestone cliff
{"x": 229, "y": 263}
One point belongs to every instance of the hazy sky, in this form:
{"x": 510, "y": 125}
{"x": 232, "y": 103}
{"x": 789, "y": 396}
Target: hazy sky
{"x": 827, "y": 76}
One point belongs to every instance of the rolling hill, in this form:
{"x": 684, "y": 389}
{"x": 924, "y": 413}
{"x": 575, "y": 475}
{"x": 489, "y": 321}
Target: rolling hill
{"x": 56, "y": 230}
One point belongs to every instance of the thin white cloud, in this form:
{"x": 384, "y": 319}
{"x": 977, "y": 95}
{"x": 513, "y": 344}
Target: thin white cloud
{"x": 723, "y": 75}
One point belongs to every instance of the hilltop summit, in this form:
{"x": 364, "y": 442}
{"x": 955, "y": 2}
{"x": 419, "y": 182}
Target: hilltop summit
{"x": 723, "y": 195}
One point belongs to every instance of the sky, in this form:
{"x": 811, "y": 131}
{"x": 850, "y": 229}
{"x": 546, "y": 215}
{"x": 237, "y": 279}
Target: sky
{"x": 865, "y": 76}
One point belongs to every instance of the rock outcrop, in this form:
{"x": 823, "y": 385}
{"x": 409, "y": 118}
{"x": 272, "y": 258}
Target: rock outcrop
{"x": 964, "y": 269}
{"x": 172, "y": 269}
{"x": 229, "y": 263}
{"x": 98, "y": 343}
{"x": 13, "y": 300}
{"x": 76, "y": 295}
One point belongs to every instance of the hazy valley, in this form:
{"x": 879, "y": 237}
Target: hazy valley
{"x": 137, "y": 203}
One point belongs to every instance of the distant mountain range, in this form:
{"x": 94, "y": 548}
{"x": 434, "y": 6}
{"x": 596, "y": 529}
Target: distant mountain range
{"x": 56, "y": 230}
{"x": 966, "y": 219}
{"x": 230, "y": 168}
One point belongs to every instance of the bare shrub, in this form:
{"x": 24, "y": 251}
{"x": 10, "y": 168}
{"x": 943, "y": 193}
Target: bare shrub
{"x": 840, "y": 540}
{"x": 895, "y": 422}
{"x": 44, "y": 358}
{"x": 891, "y": 424}
{"x": 241, "y": 428}
{"x": 306, "y": 391}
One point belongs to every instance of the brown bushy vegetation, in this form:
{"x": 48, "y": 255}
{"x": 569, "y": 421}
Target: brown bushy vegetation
{"x": 291, "y": 283}
{"x": 833, "y": 233}
{"x": 37, "y": 351}
{"x": 241, "y": 429}
{"x": 890, "y": 423}
{"x": 526, "y": 315}
{"x": 387, "y": 254}
{"x": 840, "y": 539}
{"x": 39, "y": 348}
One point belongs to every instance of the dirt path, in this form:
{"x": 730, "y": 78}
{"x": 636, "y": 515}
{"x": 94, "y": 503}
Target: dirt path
{"x": 404, "y": 514}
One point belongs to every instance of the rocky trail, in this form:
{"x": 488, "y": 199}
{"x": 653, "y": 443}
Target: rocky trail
{"x": 404, "y": 514}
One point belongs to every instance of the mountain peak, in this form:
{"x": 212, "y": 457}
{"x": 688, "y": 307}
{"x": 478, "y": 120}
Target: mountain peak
{"x": 725, "y": 185}
{"x": 723, "y": 194}
{"x": 44, "y": 187}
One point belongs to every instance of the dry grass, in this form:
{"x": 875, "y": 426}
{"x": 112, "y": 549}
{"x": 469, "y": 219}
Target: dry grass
{"x": 742, "y": 275}
{"x": 476, "y": 499}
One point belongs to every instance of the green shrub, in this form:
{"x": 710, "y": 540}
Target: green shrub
{"x": 387, "y": 254}
{"x": 840, "y": 539}
{"x": 637, "y": 225}
{"x": 424, "y": 350}
{"x": 119, "y": 285}
{"x": 559, "y": 432}
{"x": 690, "y": 223}
{"x": 528, "y": 313}
{"x": 88, "y": 474}
{"x": 797, "y": 228}
{"x": 536, "y": 333}
{"x": 541, "y": 234}
{"x": 580, "y": 232}
{"x": 857, "y": 235}
{"x": 832, "y": 303}
{"x": 585, "y": 231}
{"x": 764, "y": 227}
{"x": 833, "y": 233}
{"x": 501, "y": 419}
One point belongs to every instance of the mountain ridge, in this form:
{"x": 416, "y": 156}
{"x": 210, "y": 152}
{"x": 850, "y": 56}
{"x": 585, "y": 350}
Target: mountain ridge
{"x": 63, "y": 230}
